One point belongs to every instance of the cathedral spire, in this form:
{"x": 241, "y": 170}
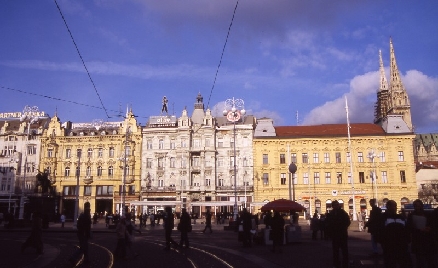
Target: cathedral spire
{"x": 399, "y": 103}
{"x": 383, "y": 81}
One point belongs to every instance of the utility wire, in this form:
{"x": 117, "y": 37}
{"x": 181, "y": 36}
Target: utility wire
{"x": 222, "y": 55}
{"x": 53, "y": 98}
{"x": 83, "y": 62}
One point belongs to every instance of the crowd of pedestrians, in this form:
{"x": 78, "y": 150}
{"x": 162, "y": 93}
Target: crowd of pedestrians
{"x": 395, "y": 235}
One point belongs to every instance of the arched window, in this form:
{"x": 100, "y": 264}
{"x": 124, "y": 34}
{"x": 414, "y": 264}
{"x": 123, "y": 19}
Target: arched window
{"x": 328, "y": 205}
{"x": 67, "y": 172}
{"x": 99, "y": 171}
{"x": 110, "y": 171}
{"x": 404, "y": 200}
{"x": 88, "y": 171}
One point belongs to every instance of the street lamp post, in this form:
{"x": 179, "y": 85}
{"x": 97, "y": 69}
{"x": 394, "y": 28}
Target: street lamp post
{"x": 78, "y": 173}
{"x": 292, "y": 170}
{"x": 233, "y": 114}
{"x": 123, "y": 194}
{"x": 371, "y": 156}
{"x": 29, "y": 115}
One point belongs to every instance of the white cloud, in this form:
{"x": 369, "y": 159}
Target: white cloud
{"x": 362, "y": 97}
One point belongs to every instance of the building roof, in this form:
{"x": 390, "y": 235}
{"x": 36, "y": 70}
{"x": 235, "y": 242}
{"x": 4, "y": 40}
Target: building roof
{"x": 329, "y": 130}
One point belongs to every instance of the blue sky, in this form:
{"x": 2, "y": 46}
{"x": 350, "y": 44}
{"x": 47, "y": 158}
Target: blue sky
{"x": 282, "y": 57}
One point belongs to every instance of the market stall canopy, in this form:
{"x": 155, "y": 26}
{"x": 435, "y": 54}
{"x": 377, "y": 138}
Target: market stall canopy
{"x": 283, "y": 205}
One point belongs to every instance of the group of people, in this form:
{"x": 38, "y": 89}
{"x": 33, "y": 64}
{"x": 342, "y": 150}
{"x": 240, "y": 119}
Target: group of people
{"x": 398, "y": 234}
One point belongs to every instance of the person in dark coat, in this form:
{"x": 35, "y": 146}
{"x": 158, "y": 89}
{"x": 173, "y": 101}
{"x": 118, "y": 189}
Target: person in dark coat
{"x": 207, "y": 221}
{"x": 247, "y": 226}
{"x": 277, "y": 231}
{"x": 337, "y": 223}
{"x": 420, "y": 226}
{"x": 84, "y": 230}
{"x": 372, "y": 224}
{"x": 393, "y": 235}
{"x": 169, "y": 224}
{"x": 185, "y": 226}
{"x": 35, "y": 238}
{"x": 314, "y": 226}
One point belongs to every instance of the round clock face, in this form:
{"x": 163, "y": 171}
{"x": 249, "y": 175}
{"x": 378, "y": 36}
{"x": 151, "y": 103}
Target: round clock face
{"x": 233, "y": 117}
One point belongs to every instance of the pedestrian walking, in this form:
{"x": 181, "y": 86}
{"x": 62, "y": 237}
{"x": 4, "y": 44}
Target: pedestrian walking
{"x": 314, "y": 226}
{"x": 420, "y": 226}
{"x": 184, "y": 226}
{"x": 337, "y": 223}
{"x": 372, "y": 225}
{"x": 207, "y": 221}
{"x": 247, "y": 226}
{"x": 35, "y": 238}
{"x": 394, "y": 237}
{"x": 62, "y": 220}
{"x": 84, "y": 230}
{"x": 169, "y": 224}
{"x": 120, "y": 251}
{"x": 277, "y": 231}
{"x": 322, "y": 226}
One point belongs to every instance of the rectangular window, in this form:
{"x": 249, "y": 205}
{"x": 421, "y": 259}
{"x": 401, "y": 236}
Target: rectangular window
{"x": 283, "y": 178}
{"x": 400, "y": 156}
{"x": 245, "y": 162}
{"x": 184, "y": 162}
{"x": 149, "y": 162}
{"x": 305, "y": 158}
{"x": 196, "y": 161}
{"x": 349, "y": 177}
{"x": 315, "y": 158}
{"x": 100, "y": 152}
{"x": 172, "y": 162}
{"x": 87, "y": 190}
{"x": 293, "y": 158}
{"x": 67, "y": 153}
{"x": 220, "y": 162}
{"x": 161, "y": 144}
{"x": 49, "y": 152}
{"x": 207, "y": 142}
{"x": 361, "y": 177}
{"x": 338, "y": 157}
{"x": 327, "y": 177}
{"x": 196, "y": 143}
{"x": 149, "y": 144}
{"x": 316, "y": 178}
{"x": 382, "y": 157}
{"x": 384, "y": 177}
{"x": 402, "y": 176}
{"x": 160, "y": 183}
{"x": 294, "y": 178}
{"x": 69, "y": 190}
{"x": 232, "y": 143}
{"x": 160, "y": 162}
{"x": 99, "y": 171}
{"x": 111, "y": 152}
{"x": 360, "y": 157}
{"x": 220, "y": 143}
{"x": 184, "y": 143}
{"x": 106, "y": 190}
{"x": 31, "y": 149}
{"x": 265, "y": 159}
{"x": 348, "y": 157}
{"x": 282, "y": 159}
{"x": 130, "y": 190}
{"x": 221, "y": 182}
{"x": 339, "y": 177}
{"x": 326, "y": 158}
{"x": 207, "y": 182}
{"x": 265, "y": 179}
{"x": 306, "y": 178}
{"x": 90, "y": 153}
{"x": 78, "y": 153}
{"x": 231, "y": 161}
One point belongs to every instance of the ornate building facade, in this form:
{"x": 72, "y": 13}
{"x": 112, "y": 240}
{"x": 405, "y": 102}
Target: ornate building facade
{"x": 98, "y": 161}
{"x": 186, "y": 162}
{"x": 20, "y": 134}
{"x": 380, "y": 165}
{"x": 379, "y": 162}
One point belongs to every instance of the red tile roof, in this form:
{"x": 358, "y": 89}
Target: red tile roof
{"x": 329, "y": 130}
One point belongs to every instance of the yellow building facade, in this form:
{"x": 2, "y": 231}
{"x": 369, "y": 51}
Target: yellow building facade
{"x": 99, "y": 161}
{"x": 381, "y": 165}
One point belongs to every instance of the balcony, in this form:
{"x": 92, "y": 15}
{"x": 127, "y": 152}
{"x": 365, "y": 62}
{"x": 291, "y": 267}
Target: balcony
{"x": 88, "y": 180}
{"x": 159, "y": 188}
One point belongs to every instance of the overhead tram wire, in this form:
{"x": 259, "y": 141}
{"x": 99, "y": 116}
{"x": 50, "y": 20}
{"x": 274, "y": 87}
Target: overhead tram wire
{"x": 54, "y": 98}
{"x": 222, "y": 54}
{"x": 83, "y": 62}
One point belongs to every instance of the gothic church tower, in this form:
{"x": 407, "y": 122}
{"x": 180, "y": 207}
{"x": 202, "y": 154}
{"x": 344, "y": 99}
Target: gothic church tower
{"x": 398, "y": 97}
{"x": 392, "y": 99}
